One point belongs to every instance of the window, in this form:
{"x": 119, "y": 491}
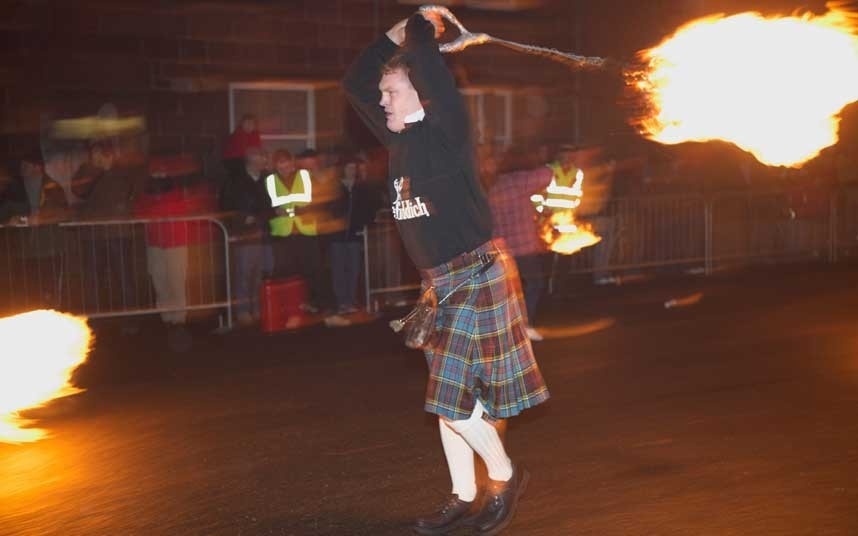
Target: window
{"x": 291, "y": 115}
{"x": 491, "y": 114}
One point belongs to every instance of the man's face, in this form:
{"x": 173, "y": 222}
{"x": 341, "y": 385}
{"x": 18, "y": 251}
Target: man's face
{"x": 256, "y": 159}
{"x": 398, "y": 98}
{"x": 248, "y": 124}
{"x": 285, "y": 167}
{"x": 566, "y": 158}
{"x": 101, "y": 158}
{"x": 30, "y": 171}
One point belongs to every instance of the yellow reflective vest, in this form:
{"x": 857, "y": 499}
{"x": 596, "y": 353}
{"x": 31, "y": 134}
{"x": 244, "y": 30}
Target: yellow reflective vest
{"x": 564, "y": 191}
{"x": 291, "y": 199}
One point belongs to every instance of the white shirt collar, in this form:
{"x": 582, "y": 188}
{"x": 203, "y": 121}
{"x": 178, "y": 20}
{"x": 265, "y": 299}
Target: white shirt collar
{"x": 415, "y": 116}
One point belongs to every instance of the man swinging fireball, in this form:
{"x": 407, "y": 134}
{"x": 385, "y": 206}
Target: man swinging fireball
{"x": 481, "y": 364}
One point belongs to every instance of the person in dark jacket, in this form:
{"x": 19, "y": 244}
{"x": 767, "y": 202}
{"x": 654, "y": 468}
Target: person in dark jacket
{"x": 107, "y": 185}
{"x": 46, "y": 200}
{"x": 39, "y": 203}
{"x": 481, "y": 364}
{"x": 355, "y": 207}
{"x": 245, "y": 196}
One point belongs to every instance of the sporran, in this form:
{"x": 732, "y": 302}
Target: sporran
{"x": 419, "y": 324}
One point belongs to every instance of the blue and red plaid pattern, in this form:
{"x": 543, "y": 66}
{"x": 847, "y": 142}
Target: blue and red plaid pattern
{"x": 480, "y": 348}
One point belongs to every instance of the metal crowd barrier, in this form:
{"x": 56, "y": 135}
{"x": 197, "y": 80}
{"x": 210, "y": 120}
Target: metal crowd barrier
{"x": 764, "y": 227}
{"x": 666, "y": 233}
{"x": 112, "y": 268}
{"x": 642, "y": 232}
{"x": 177, "y": 267}
{"x": 389, "y": 277}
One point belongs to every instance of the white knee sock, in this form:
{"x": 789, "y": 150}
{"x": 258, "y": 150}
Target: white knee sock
{"x": 460, "y": 461}
{"x": 484, "y": 439}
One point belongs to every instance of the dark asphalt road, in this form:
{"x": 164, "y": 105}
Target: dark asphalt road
{"x": 734, "y": 416}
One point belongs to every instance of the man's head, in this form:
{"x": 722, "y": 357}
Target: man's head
{"x": 398, "y": 96}
{"x": 309, "y": 159}
{"x": 284, "y": 163}
{"x": 255, "y": 159}
{"x": 248, "y": 123}
{"x": 32, "y": 168}
{"x": 102, "y": 155}
{"x": 351, "y": 169}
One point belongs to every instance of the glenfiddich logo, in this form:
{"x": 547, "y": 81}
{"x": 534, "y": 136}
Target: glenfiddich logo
{"x": 405, "y": 208}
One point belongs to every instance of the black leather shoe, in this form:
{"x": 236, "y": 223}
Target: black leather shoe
{"x": 500, "y": 503}
{"x": 452, "y": 514}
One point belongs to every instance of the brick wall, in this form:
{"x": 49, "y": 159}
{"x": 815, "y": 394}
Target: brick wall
{"x": 172, "y": 61}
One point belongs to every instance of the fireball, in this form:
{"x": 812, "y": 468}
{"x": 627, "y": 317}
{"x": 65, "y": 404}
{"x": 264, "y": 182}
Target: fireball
{"x": 41, "y": 350}
{"x": 773, "y": 86}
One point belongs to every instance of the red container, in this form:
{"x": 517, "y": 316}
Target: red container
{"x": 280, "y": 303}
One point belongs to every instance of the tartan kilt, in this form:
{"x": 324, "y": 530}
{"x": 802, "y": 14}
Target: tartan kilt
{"x": 480, "y": 349}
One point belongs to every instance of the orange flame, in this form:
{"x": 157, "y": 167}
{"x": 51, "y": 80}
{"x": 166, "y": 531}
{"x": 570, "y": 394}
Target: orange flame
{"x": 564, "y": 235}
{"x": 41, "y": 350}
{"x": 774, "y": 86}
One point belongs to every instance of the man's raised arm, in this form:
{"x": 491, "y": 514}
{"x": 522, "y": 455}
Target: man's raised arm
{"x": 361, "y": 84}
{"x": 434, "y": 82}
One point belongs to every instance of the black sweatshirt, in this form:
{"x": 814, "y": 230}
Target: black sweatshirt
{"x": 440, "y": 207}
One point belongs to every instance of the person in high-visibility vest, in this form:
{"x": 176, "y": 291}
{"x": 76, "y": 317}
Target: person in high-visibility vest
{"x": 296, "y": 224}
{"x": 288, "y": 201}
{"x": 564, "y": 191}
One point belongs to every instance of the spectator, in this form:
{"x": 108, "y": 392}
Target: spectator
{"x": 241, "y": 139}
{"x": 108, "y": 183}
{"x": 167, "y": 242}
{"x": 355, "y": 207}
{"x": 46, "y": 200}
{"x": 302, "y": 214}
{"x": 514, "y": 220}
{"x": 40, "y": 243}
{"x": 245, "y": 194}
{"x": 283, "y": 217}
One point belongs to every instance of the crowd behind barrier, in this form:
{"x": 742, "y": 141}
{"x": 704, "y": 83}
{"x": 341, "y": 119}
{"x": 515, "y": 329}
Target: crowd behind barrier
{"x": 110, "y": 268}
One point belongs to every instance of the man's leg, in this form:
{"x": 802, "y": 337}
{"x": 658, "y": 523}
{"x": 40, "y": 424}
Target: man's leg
{"x": 459, "y": 507}
{"x": 507, "y": 482}
{"x": 177, "y": 275}
{"x": 532, "y": 272}
{"x": 483, "y": 438}
{"x": 156, "y": 263}
{"x": 339, "y": 273}
{"x": 245, "y": 261}
{"x": 531, "y": 269}
{"x": 355, "y": 256}
{"x": 283, "y": 254}
{"x": 265, "y": 271}
{"x": 460, "y": 462}
{"x": 313, "y": 273}
{"x": 260, "y": 256}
